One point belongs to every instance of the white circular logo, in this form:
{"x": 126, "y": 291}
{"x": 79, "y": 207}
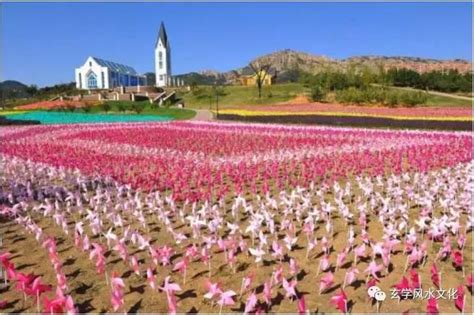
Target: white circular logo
{"x": 380, "y": 296}
{"x": 372, "y": 290}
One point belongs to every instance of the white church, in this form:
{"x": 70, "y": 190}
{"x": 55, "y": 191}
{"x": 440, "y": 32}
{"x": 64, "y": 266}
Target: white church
{"x": 97, "y": 73}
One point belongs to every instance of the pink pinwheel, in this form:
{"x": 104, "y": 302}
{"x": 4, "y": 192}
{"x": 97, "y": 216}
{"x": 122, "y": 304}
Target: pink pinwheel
{"x": 403, "y": 288}
{"x": 165, "y": 253}
{"x": 469, "y": 281}
{"x": 151, "y": 278}
{"x": 341, "y": 257}
{"x": 326, "y": 282}
{"x": 182, "y": 266}
{"x": 373, "y": 269}
{"x": 250, "y": 303}
{"x": 323, "y": 264}
{"x": 24, "y": 281}
{"x": 415, "y": 279}
{"x": 302, "y": 306}
{"x": 267, "y": 292}
{"x": 277, "y": 250}
{"x": 350, "y": 276}
{"x": 53, "y": 306}
{"x": 169, "y": 288}
{"x": 36, "y": 289}
{"x": 293, "y": 267}
{"x": 134, "y": 263}
{"x": 432, "y": 307}
{"x": 246, "y": 283}
{"x": 121, "y": 248}
{"x": 213, "y": 289}
{"x": 435, "y": 276}
{"x": 340, "y": 301}
{"x": 290, "y": 288}
{"x": 457, "y": 259}
{"x": 359, "y": 251}
{"x": 117, "y": 291}
{"x": 98, "y": 253}
{"x": 226, "y": 299}
{"x": 460, "y": 299}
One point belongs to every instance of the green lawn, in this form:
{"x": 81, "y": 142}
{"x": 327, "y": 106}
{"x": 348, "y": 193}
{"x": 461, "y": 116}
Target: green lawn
{"x": 203, "y": 97}
{"x": 440, "y": 100}
{"x": 147, "y": 109}
{"x": 445, "y": 101}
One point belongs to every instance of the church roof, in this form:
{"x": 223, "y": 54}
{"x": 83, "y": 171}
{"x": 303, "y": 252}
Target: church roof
{"x": 117, "y": 67}
{"x": 162, "y": 35}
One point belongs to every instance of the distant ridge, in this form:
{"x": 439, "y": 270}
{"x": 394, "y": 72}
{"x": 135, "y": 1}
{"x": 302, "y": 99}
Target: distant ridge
{"x": 286, "y": 60}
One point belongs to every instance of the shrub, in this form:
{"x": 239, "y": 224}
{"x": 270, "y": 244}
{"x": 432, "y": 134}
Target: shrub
{"x": 317, "y": 94}
{"x": 121, "y": 107}
{"x": 137, "y": 107}
{"x": 105, "y": 107}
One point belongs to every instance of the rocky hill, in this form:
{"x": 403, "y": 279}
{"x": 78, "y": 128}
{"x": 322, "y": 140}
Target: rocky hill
{"x": 287, "y": 60}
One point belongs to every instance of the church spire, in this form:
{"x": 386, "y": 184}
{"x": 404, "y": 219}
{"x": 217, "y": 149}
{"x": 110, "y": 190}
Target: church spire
{"x": 162, "y": 35}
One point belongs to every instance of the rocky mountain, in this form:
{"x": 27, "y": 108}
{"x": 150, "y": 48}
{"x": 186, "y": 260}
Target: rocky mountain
{"x": 286, "y": 61}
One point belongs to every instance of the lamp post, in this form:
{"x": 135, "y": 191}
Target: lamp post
{"x": 216, "y": 88}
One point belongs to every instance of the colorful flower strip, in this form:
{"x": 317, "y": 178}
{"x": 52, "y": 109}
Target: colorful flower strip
{"x": 247, "y": 113}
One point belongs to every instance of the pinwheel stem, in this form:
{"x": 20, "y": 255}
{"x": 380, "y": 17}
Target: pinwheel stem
{"x": 220, "y": 309}
{"x": 378, "y": 307}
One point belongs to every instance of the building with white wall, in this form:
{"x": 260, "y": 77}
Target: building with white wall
{"x": 98, "y": 73}
{"x": 163, "y": 59}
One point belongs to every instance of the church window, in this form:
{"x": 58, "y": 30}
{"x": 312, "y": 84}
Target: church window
{"x": 80, "y": 80}
{"x": 160, "y": 56}
{"x": 103, "y": 79}
{"x": 90, "y": 63}
{"x": 92, "y": 81}
{"x": 161, "y": 64}
{"x": 161, "y": 77}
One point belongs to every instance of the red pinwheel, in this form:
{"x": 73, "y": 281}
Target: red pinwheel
{"x": 432, "y": 307}
{"x": 435, "y": 276}
{"x": 460, "y": 299}
{"x": 340, "y": 301}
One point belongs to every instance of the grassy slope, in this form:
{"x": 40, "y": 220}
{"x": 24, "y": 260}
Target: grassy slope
{"x": 444, "y": 101}
{"x": 176, "y": 113}
{"x": 248, "y": 95}
{"x": 440, "y": 100}
{"x": 240, "y": 95}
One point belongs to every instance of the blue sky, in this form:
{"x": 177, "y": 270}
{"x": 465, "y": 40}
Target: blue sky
{"x": 43, "y": 43}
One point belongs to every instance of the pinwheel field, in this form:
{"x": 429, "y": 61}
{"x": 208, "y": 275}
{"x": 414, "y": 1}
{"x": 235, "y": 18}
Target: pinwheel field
{"x": 189, "y": 216}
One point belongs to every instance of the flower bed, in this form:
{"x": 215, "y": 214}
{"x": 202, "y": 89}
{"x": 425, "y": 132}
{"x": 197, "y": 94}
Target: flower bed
{"x": 323, "y": 109}
{"x": 76, "y": 118}
{"x": 247, "y": 218}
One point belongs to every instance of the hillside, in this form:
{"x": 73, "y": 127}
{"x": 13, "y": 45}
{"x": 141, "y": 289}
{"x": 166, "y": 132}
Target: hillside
{"x": 12, "y": 88}
{"x": 286, "y": 61}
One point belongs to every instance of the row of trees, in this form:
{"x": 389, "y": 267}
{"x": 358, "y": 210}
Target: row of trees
{"x": 443, "y": 81}
{"x": 362, "y": 87}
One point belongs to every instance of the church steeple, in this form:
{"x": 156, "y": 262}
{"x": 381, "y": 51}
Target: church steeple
{"x": 162, "y": 58}
{"x": 162, "y": 35}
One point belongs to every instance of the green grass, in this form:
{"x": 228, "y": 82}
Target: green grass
{"x": 440, "y": 100}
{"x": 445, "y": 101}
{"x": 203, "y": 97}
{"x": 147, "y": 109}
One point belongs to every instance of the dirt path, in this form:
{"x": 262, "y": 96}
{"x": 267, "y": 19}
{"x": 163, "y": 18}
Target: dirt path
{"x": 203, "y": 115}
